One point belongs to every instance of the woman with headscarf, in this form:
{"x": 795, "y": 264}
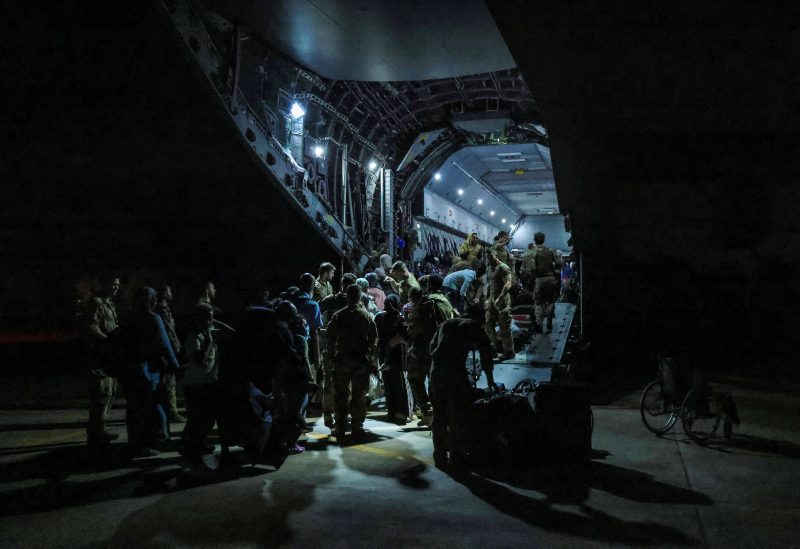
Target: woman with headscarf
{"x": 149, "y": 352}
{"x": 366, "y": 298}
{"x": 375, "y": 290}
{"x": 472, "y": 247}
{"x": 392, "y": 348}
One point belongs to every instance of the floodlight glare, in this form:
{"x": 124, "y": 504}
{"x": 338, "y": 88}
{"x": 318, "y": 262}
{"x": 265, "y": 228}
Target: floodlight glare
{"x": 437, "y": 176}
{"x": 318, "y": 151}
{"x": 297, "y": 111}
{"x": 460, "y": 192}
{"x": 491, "y": 213}
{"x": 418, "y": 226}
{"x": 503, "y": 220}
{"x": 511, "y": 226}
{"x": 372, "y": 165}
{"x": 480, "y": 201}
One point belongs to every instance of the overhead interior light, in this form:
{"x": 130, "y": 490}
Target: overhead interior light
{"x": 318, "y": 151}
{"x": 514, "y": 160}
{"x": 491, "y": 213}
{"x": 437, "y": 176}
{"x": 372, "y": 165}
{"x": 480, "y": 201}
{"x": 503, "y": 220}
{"x": 297, "y": 111}
{"x": 511, "y": 226}
{"x": 418, "y": 225}
{"x": 504, "y": 155}
{"x": 460, "y": 192}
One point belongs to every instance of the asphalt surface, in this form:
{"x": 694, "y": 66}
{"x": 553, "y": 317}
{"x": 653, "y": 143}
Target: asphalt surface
{"x": 640, "y": 490}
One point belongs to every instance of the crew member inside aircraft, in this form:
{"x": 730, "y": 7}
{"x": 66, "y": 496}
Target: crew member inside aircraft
{"x": 540, "y": 271}
{"x": 472, "y": 247}
{"x": 501, "y": 249}
{"x": 498, "y": 304}
{"x": 401, "y": 280}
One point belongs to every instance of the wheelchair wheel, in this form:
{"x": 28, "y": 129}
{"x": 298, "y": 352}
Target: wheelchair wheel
{"x": 700, "y": 419}
{"x": 658, "y": 413}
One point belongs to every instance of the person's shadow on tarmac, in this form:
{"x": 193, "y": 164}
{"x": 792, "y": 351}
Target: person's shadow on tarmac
{"x": 570, "y": 485}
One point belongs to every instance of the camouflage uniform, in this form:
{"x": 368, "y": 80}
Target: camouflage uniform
{"x": 501, "y": 250}
{"x": 351, "y": 339}
{"x": 499, "y": 314}
{"x": 424, "y": 319}
{"x": 405, "y": 285}
{"x": 102, "y": 314}
{"x": 540, "y": 270}
{"x": 329, "y": 305}
{"x": 322, "y": 290}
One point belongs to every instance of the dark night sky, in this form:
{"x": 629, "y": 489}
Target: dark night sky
{"x": 674, "y": 138}
{"x": 120, "y": 157}
{"x": 675, "y": 144}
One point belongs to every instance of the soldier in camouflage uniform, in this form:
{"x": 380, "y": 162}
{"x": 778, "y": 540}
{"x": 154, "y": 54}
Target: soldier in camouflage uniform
{"x": 323, "y": 287}
{"x": 500, "y": 248}
{"x": 498, "y": 304}
{"x": 102, "y": 320}
{"x": 318, "y": 354}
{"x": 351, "y": 340}
{"x": 540, "y": 271}
{"x": 401, "y": 280}
{"x": 426, "y": 315}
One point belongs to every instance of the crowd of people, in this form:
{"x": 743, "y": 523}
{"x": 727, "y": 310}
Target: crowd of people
{"x": 313, "y": 345}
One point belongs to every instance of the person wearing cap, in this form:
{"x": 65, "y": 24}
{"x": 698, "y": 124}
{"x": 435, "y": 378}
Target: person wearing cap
{"x": 351, "y": 341}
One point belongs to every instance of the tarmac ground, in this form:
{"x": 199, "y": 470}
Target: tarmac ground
{"x": 639, "y": 490}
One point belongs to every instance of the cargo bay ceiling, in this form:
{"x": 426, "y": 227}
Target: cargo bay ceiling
{"x": 378, "y": 40}
{"x": 375, "y": 76}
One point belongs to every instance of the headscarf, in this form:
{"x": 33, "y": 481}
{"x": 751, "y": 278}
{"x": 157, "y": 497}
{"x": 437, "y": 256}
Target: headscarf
{"x": 386, "y": 262}
{"x": 144, "y": 301}
{"x": 362, "y": 283}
